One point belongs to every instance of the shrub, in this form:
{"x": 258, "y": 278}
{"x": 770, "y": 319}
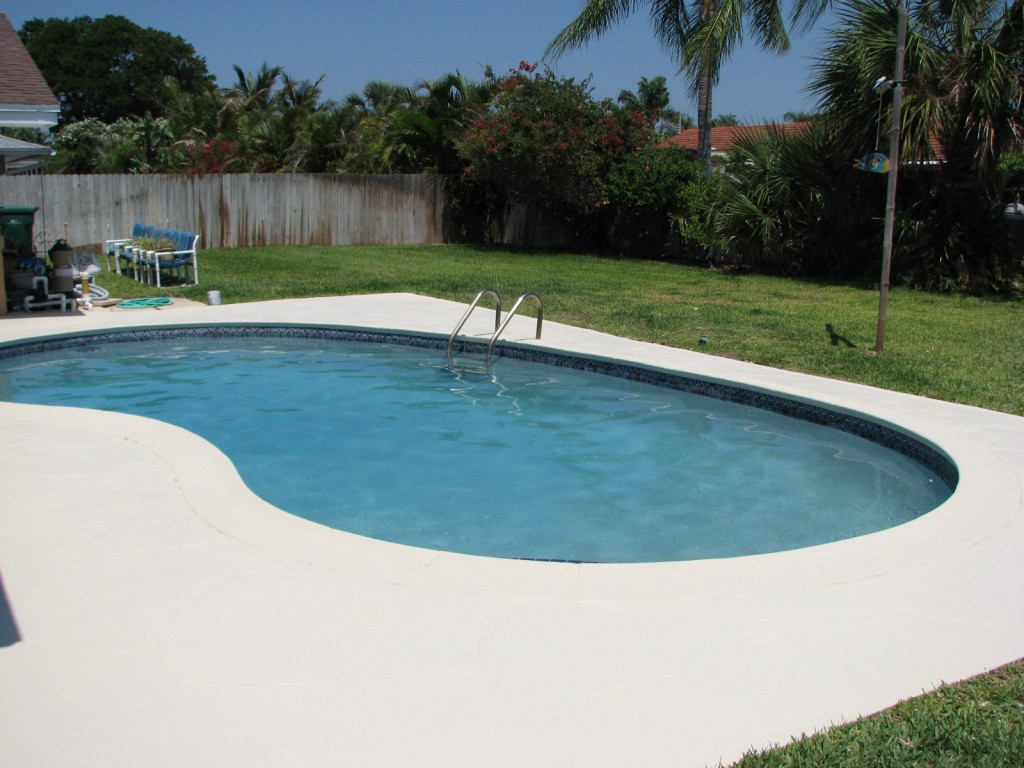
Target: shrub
{"x": 643, "y": 199}
{"x": 546, "y": 143}
{"x": 792, "y": 204}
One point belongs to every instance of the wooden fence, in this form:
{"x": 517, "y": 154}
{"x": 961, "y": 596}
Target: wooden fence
{"x": 236, "y": 210}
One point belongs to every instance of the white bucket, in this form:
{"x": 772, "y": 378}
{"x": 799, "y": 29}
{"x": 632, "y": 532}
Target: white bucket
{"x": 213, "y": 298}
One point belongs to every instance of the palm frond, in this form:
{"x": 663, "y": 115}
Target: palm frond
{"x": 596, "y": 17}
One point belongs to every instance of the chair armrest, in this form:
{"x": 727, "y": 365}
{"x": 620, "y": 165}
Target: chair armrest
{"x": 190, "y": 252}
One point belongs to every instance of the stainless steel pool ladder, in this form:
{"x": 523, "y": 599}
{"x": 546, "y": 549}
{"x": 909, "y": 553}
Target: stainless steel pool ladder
{"x": 511, "y": 314}
{"x": 465, "y": 317}
{"x": 498, "y": 325}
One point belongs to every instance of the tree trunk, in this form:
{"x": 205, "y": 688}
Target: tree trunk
{"x": 704, "y": 86}
{"x": 704, "y": 121}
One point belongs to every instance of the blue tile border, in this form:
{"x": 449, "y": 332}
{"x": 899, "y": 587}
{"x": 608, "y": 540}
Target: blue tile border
{"x": 861, "y": 426}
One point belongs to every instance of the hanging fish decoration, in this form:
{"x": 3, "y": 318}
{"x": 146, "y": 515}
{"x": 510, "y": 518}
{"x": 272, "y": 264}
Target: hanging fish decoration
{"x": 1014, "y": 212}
{"x": 873, "y": 162}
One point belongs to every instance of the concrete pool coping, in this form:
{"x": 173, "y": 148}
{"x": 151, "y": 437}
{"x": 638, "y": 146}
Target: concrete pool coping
{"x": 160, "y": 613}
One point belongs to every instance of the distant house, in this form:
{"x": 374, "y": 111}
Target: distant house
{"x": 18, "y": 156}
{"x": 726, "y": 137}
{"x": 26, "y": 101}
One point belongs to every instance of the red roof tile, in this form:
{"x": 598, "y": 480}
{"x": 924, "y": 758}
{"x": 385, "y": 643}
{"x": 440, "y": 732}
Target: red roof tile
{"x": 726, "y": 137}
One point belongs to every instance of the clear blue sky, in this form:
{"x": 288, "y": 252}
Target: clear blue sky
{"x": 353, "y": 41}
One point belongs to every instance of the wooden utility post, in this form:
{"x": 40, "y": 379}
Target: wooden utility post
{"x": 894, "y": 167}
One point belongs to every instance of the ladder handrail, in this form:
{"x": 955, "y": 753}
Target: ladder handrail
{"x": 511, "y": 314}
{"x": 465, "y": 317}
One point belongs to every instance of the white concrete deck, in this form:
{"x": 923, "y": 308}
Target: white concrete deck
{"x": 165, "y": 616}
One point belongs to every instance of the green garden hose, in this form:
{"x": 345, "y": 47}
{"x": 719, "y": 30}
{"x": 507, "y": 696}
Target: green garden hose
{"x": 155, "y": 301}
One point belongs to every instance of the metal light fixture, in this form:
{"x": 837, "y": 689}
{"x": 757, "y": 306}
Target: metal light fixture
{"x": 882, "y": 85}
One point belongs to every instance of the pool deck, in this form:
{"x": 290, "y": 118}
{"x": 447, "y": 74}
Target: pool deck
{"x": 154, "y": 612}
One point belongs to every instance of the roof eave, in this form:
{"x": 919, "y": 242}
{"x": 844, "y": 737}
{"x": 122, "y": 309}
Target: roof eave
{"x": 28, "y": 116}
{"x": 19, "y": 153}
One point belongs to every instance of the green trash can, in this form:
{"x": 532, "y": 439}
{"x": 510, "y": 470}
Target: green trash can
{"x": 16, "y": 226}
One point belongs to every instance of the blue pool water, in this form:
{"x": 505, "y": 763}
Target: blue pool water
{"x": 520, "y": 460}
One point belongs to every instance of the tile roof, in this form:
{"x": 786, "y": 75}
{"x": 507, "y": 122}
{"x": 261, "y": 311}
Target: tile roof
{"x": 726, "y": 137}
{"x": 22, "y": 87}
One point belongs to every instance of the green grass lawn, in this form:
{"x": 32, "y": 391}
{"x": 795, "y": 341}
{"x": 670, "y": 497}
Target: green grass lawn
{"x": 977, "y": 724}
{"x": 966, "y": 350}
{"x": 962, "y": 349}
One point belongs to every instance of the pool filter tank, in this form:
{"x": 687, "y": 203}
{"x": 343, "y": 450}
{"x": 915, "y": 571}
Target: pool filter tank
{"x": 63, "y": 277}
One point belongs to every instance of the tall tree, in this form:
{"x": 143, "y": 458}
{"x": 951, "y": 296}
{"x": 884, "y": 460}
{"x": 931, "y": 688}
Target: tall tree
{"x": 964, "y": 95}
{"x": 964, "y": 77}
{"x": 111, "y": 68}
{"x": 699, "y": 35}
{"x": 379, "y": 112}
{"x": 280, "y": 124}
{"x": 799, "y": 116}
{"x": 446, "y": 106}
{"x": 651, "y": 98}
{"x": 254, "y": 92}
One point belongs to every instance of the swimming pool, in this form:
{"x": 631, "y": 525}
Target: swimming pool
{"x": 522, "y": 460}
{"x": 136, "y": 559}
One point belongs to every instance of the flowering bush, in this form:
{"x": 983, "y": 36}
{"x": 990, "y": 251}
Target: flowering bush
{"x": 131, "y": 145}
{"x": 213, "y": 156}
{"x": 545, "y": 141}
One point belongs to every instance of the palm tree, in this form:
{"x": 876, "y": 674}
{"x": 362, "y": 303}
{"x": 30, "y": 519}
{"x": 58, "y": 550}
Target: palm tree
{"x": 195, "y": 118}
{"x": 964, "y": 71}
{"x": 278, "y": 123}
{"x": 963, "y": 92}
{"x": 379, "y": 98}
{"x": 700, "y": 35}
{"x": 800, "y": 117}
{"x": 452, "y": 93}
{"x": 405, "y": 129}
{"x": 301, "y": 94}
{"x": 443, "y": 107}
{"x": 326, "y": 140}
{"x": 375, "y": 111}
{"x": 254, "y": 92}
{"x": 264, "y": 145}
{"x": 652, "y": 100}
